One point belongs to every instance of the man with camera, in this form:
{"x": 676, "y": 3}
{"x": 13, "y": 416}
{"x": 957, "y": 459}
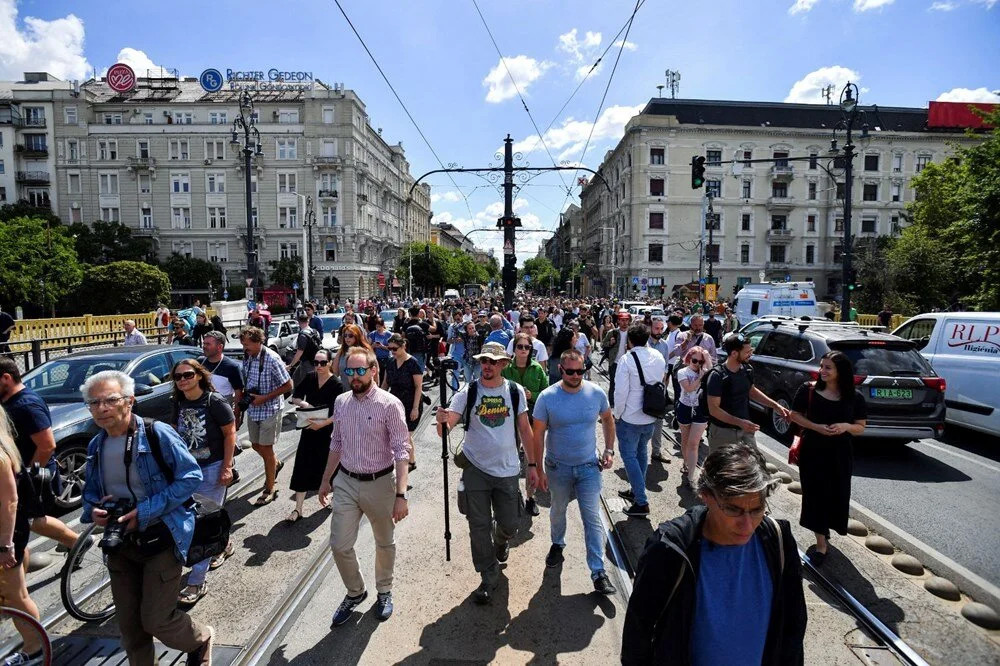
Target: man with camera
{"x": 148, "y": 526}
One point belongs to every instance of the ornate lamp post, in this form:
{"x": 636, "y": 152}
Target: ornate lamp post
{"x": 251, "y": 147}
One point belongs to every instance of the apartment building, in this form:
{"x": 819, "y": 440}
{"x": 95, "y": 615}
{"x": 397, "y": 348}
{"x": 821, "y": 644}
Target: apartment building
{"x": 778, "y": 220}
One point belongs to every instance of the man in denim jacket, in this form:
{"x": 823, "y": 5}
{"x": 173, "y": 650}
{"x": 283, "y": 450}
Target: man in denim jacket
{"x": 146, "y": 568}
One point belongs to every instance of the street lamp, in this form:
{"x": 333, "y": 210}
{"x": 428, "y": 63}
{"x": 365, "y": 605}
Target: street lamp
{"x": 308, "y": 221}
{"x": 251, "y": 146}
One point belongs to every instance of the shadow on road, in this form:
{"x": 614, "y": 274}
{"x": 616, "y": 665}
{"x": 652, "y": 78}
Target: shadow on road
{"x": 904, "y": 464}
{"x": 837, "y": 567}
{"x": 283, "y": 537}
{"x": 345, "y": 644}
{"x": 987, "y": 446}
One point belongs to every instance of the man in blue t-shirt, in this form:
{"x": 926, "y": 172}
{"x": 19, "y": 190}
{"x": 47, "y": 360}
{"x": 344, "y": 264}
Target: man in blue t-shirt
{"x": 568, "y": 411}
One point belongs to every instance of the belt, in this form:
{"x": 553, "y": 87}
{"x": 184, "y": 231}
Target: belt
{"x": 367, "y": 477}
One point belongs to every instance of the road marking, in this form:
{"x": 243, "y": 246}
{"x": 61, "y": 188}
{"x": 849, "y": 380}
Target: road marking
{"x": 959, "y": 455}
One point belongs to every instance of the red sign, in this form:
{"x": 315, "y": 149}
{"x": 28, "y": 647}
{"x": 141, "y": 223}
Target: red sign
{"x": 120, "y": 78}
{"x": 957, "y": 115}
{"x": 381, "y": 280}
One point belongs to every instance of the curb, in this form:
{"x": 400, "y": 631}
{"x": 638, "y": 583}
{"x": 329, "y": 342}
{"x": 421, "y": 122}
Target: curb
{"x": 971, "y": 583}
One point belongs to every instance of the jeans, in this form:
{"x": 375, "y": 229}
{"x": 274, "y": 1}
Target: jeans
{"x": 469, "y": 370}
{"x": 586, "y": 480}
{"x": 213, "y": 490}
{"x": 495, "y": 512}
{"x": 632, "y": 441}
{"x": 421, "y": 359}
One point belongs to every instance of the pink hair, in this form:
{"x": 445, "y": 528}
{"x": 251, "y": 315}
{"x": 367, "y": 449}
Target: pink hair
{"x": 704, "y": 354}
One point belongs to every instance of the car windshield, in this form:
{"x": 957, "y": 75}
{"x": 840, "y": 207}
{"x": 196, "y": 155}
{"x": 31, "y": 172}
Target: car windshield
{"x": 886, "y": 361}
{"x": 60, "y": 380}
{"x": 388, "y": 316}
{"x": 332, "y": 322}
{"x": 273, "y": 330}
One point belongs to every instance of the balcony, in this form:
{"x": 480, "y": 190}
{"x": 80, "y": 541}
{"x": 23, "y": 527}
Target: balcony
{"x": 780, "y": 203}
{"x": 779, "y": 235}
{"x": 142, "y": 163}
{"x": 777, "y": 265}
{"x": 327, "y": 161}
{"x": 31, "y": 152}
{"x": 32, "y": 177}
{"x": 30, "y": 123}
{"x": 782, "y": 172}
{"x": 328, "y": 194}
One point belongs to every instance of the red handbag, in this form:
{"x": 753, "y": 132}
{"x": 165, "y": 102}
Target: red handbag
{"x": 793, "y": 451}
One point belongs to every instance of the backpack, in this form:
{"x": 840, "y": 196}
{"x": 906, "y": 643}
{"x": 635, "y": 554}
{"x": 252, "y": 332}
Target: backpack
{"x": 515, "y": 403}
{"x": 415, "y": 338}
{"x": 703, "y": 395}
{"x": 654, "y": 396}
{"x": 313, "y": 344}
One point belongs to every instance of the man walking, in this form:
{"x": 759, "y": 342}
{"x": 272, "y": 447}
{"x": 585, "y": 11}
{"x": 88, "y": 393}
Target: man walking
{"x": 634, "y": 427}
{"x": 662, "y": 345}
{"x": 226, "y": 377}
{"x": 496, "y": 420}
{"x": 133, "y": 336}
{"x": 416, "y": 331}
{"x": 567, "y": 412}
{"x": 614, "y": 344}
{"x": 307, "y": 343}
{"x": 370, "y": 451}
{"x": 498, "y": 331}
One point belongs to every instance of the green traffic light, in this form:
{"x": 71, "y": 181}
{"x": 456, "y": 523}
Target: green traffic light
{"x": 698, "y": 182}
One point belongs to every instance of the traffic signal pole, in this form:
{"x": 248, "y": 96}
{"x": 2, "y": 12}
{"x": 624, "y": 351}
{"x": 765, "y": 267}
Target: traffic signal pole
{"x": 508, "y": 223}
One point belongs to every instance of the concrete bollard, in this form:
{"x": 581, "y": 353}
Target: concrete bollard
{"x": 795, "y": 487}
{"x": 908, "y": 564}
{"x": 981, "y": 615}
{"x": 857, "y": 528}
{"x": 942, "y": 587}
{"x": 879, "y": 544}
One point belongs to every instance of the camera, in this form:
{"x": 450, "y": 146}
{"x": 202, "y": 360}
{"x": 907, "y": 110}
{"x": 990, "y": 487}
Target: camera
{"x": 114, "y": 532}
{"x": 246, "y": 400}
{"x": 41, "y": 477}
{"x": 448, "y": 363}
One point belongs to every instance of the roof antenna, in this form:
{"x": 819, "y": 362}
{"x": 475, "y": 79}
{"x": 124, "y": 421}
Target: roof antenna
{"x": 673, "y": 82}
{"x": 659, "y": 90}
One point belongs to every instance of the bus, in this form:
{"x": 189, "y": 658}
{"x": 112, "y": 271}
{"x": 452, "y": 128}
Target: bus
{"x": 473, "y": 290}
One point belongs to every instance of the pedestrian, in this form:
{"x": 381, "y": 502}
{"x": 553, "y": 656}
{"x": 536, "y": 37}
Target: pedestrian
{"x": 720, "y": 584}
{"x": 713, "y": 327}
{"x": 633, "y": 427}
{"x": 369, "y": 452}
{"x": 416, "y": 329}
{"x": 581, "y": 343}
{"x": 226, "y": 377}
{"x": 729, "y": 387}
{"x": 317, "y": 391}
{"x": 501, "y": 331}
{"x": 496, "y": 421}
{"x": 180, "y": 334}
{"x": 566, "y": 440}
{"x": 201, "y": 327}
{"x": 607, "y": 325}
{"x": 133, "y": 336}
{"x": 378, "y": 339}
{"x": 831, "y": 414}
{"x": 472, "y": 339}
{"x": 885, "y": 317}
{"x": 662, "y": 345}
{"x": 307, "y": 343}
{"x": 529, "y": 375}
{"x": 614, "y": 344}
{"x": 546, "y": 328}
{"x": 456, "y": 345}
{"x": 565, "y": 339}
{"x": 162, "y": 318}
{"x": 350, "y": 336}
{"x": 144, "y": 582}
{"x": 206, "y": 423}
{"x": 405, "y": 381}
{"x": 730, "y": 323}
{"x": 539, "y": 353}
{"x": 265, "y": 380}
{"x": 690, "y": 415}
{"x": 695, "y": 337}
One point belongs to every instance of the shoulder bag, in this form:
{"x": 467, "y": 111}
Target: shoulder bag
{"x": 654, "y": 396}
{"x": 796, "y": 447}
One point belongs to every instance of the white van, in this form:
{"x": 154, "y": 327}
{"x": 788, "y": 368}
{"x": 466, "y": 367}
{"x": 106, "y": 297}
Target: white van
{"x": 791, "y": 299}
{"x": 451, "y": 293}
{"x": 964, "y": 348}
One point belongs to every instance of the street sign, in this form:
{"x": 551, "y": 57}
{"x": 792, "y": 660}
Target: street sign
{"x": 644, "y": 282}
{"x": 249, "y": 294}
{"x": 710, "y": 292}
{"x": 635, "y": 281}
{"x": 120, "y": 77}
{"x": 701, "y": 280}
{"x": 788, "y": 277}
{"x": 249, "y": 281}
{"x": 225, "y": 295}
{"x": 295, "y": 286}
{"x": 211, "y": 80}
{"x": 508, "y": 247}
{"x": 250, "y": 305}
{"x": 381, "y": 280}
{"x": 527, "y": 278}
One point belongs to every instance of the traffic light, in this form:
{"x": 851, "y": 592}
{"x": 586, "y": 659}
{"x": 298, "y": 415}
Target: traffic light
{"x": 853, "y": 284}
{"x": 697, "y": 172}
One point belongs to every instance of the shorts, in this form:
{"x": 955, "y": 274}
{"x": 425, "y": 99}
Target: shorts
{"x": 686, "y": 415}
{"x": 265, "y": 432}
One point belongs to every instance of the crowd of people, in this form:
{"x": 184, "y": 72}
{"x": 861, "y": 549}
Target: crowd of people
{"x": 527, "y": 407}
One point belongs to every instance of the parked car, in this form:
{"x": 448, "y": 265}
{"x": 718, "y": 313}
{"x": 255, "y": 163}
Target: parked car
{"x": 281, "y": 337}
{"x": 964, "y": 349}
{"x": 388, "y": 316}
{"x": 58, "y": 383}
{"x": 905, "y": 397}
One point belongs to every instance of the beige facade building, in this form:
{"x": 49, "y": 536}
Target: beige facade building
{"x": 159, "y": 159}
{"x": 777, "y": 219}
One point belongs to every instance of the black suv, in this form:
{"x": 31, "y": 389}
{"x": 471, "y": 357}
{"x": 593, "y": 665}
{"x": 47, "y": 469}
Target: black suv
{"x": 905, "y": 397}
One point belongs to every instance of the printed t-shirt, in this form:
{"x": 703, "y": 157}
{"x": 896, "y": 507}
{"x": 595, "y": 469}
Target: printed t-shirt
{"x": 489, "y": 442}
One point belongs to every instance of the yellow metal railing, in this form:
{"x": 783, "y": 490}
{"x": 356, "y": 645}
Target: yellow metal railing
{"x": 79, "y": 330}
{"x": 872, "y": 320}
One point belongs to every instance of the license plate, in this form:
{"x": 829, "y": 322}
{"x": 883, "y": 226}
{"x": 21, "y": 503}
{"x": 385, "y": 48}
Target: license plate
{"x": 892, "y": 393}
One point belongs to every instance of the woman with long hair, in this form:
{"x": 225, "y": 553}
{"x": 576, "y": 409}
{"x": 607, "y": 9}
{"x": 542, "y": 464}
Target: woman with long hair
{"x": 350, "y": 336}
{"x": 693, "y": 421}
{"x": 14, "y": 529}
{"x": 405, "y": 380}
{"x": 472, "y": 338}
{"x": 565, "y": 339}
{"x": 205, "y": 421}
{"x": 607, "y": 325}
{"x": 319, "y": 389}
{"x": 529, "y": 373}
{"x": 379, "y": 339}
{"x": 831, "y": 414}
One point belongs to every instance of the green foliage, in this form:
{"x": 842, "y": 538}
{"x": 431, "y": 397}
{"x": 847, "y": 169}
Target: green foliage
{"x": 542, "y": 274}
{"x": 122, "y": 287}
{"x": 438, "y": 273}
{"x": 877, "y": 281}
{"x": 191, "y": 273}
{"x": 22, "y": 208}
{"x": 922, "y": 269}
{"x": 286, "y": 272}
{"x": 38, "y": 264}
{"x": 104, "y": 242}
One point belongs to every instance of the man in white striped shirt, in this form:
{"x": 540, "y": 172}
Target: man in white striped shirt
{"x": 370, "y": 451}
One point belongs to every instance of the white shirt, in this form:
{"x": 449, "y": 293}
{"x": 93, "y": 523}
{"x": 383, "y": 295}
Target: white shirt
{"x": 541, "y": 354}
{"x": 628, "y": 389}
{"x": 582, "y": 343}
{"x": 671, "y": 343}
{"x": 135, "y": 338}
{"x": 557, "y": 319}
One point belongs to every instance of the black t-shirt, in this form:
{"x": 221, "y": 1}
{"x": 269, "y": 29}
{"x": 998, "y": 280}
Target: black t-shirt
{"x": 546, "y": 331}
{"x": 6, "y": 321}
{"x": 30, "y": 415}
{"x": 714, "y": 328}
{"x": 308, "y": 342}
{"x": 734, "y": 390}
{"x": 226, "y": 375}
{"x": 199, "y": 423}
{"x": 416, "y": 331}
{"x": 825, "y": 412}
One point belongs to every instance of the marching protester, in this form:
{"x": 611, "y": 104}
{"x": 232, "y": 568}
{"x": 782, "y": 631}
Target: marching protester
{"x": 657, "y": 342}
{"x": 201, "y": 327}
{"x": 565, "y": 339}
{"x": 456, "y": 345}
{"x": 226, "y": 377}
{"x": 565, "y": 439}
{"x": 539, "y": 353}
{"x": 369, "y": 453}
{"x": 416, "y": 329}
{"x": 181, "y": 335}
{"x": 720, "y": 584}
{"x": 690, "y": 415}
{"x": 133, "y": 336}
{"x": 614, "y": 344}
{"x": 472, "y": 339}
{"x": 206, "y": 423}
{"x": 527, "y": 373}
{"x": 126, "y": 485}
{"x": 378, "y": 338}
{"x": 495, "y": 415}
{"x": 307, "y": 343}
{"x": 405, "y": 380}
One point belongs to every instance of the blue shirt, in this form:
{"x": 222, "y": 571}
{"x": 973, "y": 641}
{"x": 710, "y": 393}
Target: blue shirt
{"x": 382, "y": 338}
{"x": 732, "y": 604}
{"x": 500, "y": 335}
{"x": 30, "y": 415}
{"x": 316, "y": 324}
{"x": 457, "y": 348}
{"x": 571, "y": 419}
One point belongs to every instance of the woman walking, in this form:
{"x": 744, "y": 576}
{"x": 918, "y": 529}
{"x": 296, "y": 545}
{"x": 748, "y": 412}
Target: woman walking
{"x": 206, "y": 423}
{"x": 379, "y": 339}
{"x": 473, "y": 341}
{"x": 693, "y": 421}
{"x": 528, "y": 373}
{"x": 318, "y": 390}
{"x": 405, "y": 380}
{"x": 565, "y": 339}
{"x": 350, "y": 336}
{"x": 831, "y": 414}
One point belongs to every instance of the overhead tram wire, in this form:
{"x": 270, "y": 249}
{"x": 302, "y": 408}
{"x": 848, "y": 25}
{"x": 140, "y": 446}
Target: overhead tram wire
{"x": 400, "y": 100}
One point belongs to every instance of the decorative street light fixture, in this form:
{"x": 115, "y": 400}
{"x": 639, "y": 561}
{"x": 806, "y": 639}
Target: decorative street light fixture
{"x": 251, "y": 144}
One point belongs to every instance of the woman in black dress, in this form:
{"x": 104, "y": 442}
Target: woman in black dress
{"x": 831, "y": 414}
{"x": 318, "y": 389}
{"x": 404, "y": 379}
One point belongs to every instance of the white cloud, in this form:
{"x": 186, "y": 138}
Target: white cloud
{"x": 970, "y": 95}
{"x": 583, "y": 70}
{"x": 571, "y": 136}
{"x": 867, "y": 5}
{"x": 809, "y": 89}
{"x": 579, "y": 50}
{"x": 989, "y": 3}
{"x": 943, "y": 6}
{"x": 138, "y": 61}
{"x": 628, "y": 46}
{"x": 802, "y": 6}
{"x": 525, "y": 71}
{"x": 492, "y": 238}
{"x": 446, "y": 196}
{"x": 53, "y": 46}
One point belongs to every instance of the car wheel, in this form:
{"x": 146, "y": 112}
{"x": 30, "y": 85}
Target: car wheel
{"x": 781, "y": 426}
{"x": 72, "y": 461}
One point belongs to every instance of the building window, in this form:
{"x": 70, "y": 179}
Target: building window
{"x": 838, "y": 253}
{"x": 328, "y": 148}
{"x": 69, "y": 113}
{"x": 112, "y": 119}
{"x": 144, "y": 183}
{"x": 253, "y": 216}
{"x": 897, "y": 163}
{"x": 183, "y": 117}
{"x": 656, "y": 187}
{"x": 146, "y": 218}
{"x": 656, "y": 220}
{"x": 218, "y": 118}
{"x": 288, "y": 116}
{"x": 813, "y": 161}
{"x": 745, "y": 253}
{"x": 779, "y": 222}
{"x": 110, "y": 215}
{"x": 142, "y": 148}
{"x": 108, "y": 182}
{"x": 871, "y": 162}
{"x": 218, "y": 252}
{"x": 181, "y": 218}
{"x": 712, "y": 253}
{"x": 747, "y": 156}
{"x": 713, "y": 188}
{"x": 179, "y": 149}
{"x": 780, "y": 158}
{"x": 286, "y": 182}
{"x": 745, "y": 222}
{"x": 2, "y": 168}
{"x": 812, "y": 191}
{"x": 147, "y": 118}
{"x": 329, "y": 216}
{"x": 838, "y": 225}
{"x": 75, "y": 214}
{"x": 811, "y": 223}
{"x": 746, "y": 189}
{"x": 215, "y": 183}
{"x": 288, "y": 250}
{"x": 287, "y": 217}
{"x": 897, "y": 191}
{"x": 870, "y": 192}
{"x": 779, "y": 190}
{"x": 286, "y": 149}
{"x": 713, "y": 157}
{"x": 777, "y": 253}
{"x": 655, "y": 253}
{"x": 107, "y": 149}
{"x": 327, "y": 115}
{"x": 35, "y": 142}
{"x": 72, "y": 150}
{"x": 217, "y": 217}
{"x": 894, "y": 228}
{"x": 215, "y": 149}
{"x": 180, "y": 183}
{"x": 72, "y": 182}
{"x": 656, "y": 155}
{"x": 841, "y": 189}
{"x": 40, "y": 198}
{"x": 869, "y": 225}
{"x": 810, "y": 254}
{"x": 922, "y": 161}
{"x": 330, "y": 251}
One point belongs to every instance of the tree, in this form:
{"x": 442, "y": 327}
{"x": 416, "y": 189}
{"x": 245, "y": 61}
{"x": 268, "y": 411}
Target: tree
{"x": 922, "y": 269}
{"x": 438, "y": 273}
{"x": 122, "y": 287}
{"x": 23, "y": 208}
{"x": 38, "y": 264}
{"x": 877, "y": 280}
{"x": 191, "y": 273}
{"x": 104, "y": 242}
{"x": 541, "y": 274}
{"x": 286, "y": 272}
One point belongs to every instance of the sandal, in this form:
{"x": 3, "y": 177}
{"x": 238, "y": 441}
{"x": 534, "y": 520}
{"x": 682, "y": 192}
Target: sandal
{"x": 297, "y": 518}
{"x": 277, "y": 470}
{"x": 221, "y": 558}
{"x": 266, "y": 497}
{"x": 191, "y": 594}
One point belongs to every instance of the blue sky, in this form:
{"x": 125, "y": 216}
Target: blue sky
{"x": 441, "y": 61}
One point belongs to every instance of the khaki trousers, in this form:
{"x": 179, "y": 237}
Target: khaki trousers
{"x": 719, "y": 436}
{"x": 374, "y": 500}
{"x": 145, "y": 591}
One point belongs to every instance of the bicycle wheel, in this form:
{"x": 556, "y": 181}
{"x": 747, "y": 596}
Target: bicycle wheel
{"x": 29, "y": 631}
{"x": 85, "y": 587}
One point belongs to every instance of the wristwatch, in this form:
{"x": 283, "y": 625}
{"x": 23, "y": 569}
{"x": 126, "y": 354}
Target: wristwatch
{"x": 402, "y": 496}
{"x": 7, "y": 548}
{"x": 611, "y": 452}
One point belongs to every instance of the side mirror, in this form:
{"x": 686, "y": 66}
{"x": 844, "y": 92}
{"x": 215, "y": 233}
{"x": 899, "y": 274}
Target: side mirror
{"x": 143, "y": 389}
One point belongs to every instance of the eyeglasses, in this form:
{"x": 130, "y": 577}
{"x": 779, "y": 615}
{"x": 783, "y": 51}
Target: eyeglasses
{"x": 393, "y": 349}
{"x": 360, "y": 372}
{"x": 572, "y": 371}
{"x": 525, "y": 347}
{"x": 322, "y": 363}
{"x": 697, "y": 361}
{"x": 737, "y": 512}
{"x": 97, "y": 403}
{"x": 489, "y": 361}
{"x": 184, "y": 375}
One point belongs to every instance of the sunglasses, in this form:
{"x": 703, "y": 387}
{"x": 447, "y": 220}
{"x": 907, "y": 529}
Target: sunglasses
{"x": 360, "y": 372}
{"x": 572, "y": 371}
{"x": 393, "y": 349}
{"x": 489, "y": 361}
{"x": 322, "y": 363}
{"x": 697, "y": 361}
{"x": 184, "y": 375}
{"x": 525, "y": 347}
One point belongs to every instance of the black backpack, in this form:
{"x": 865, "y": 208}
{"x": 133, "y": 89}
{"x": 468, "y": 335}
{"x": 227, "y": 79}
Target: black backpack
{"x": 515, "y": 403}
{"x": 313, "y": 344}
{"x": 416, "y": 338}
{"x": 703, "y": 396}
{"x": 654, "y": 396}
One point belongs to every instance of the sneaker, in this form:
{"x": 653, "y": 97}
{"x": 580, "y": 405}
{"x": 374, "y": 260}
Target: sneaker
{"x": 221, "y": 558}
{"x": 346, "y": 609}
{"x": 484, "y": 593}
{"x": 603, "y": 585}
{"x": 639, "y": 510}
{"x": 627, "y": 495}
{"x": 383, "y": 606}
{"x": 555, "y": 556}
{"x": 203, "y": 655}
{"x": 531, "y": 506}
{"x": 658, "y": 456}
